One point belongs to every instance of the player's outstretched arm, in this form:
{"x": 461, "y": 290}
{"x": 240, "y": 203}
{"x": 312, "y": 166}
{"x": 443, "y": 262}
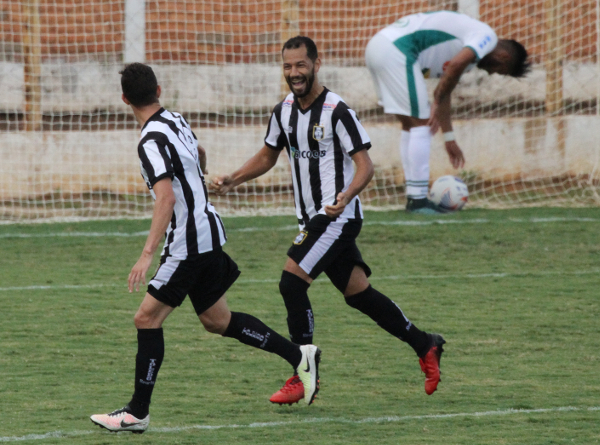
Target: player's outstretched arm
{"x": 256, "y": 166}
{"x": 362, "y": 177}
{"x": 161, "y": 218}
{"x": 440, "y": 109}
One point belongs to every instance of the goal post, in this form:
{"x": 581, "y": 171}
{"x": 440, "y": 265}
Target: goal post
{"x": 68, "y": 143}
{"x": 135, "y": 31}
{"x": 32, "y": 63}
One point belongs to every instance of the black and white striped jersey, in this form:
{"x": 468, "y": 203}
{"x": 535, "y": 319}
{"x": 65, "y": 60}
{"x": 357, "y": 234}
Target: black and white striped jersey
{"x": 168, "y": 148}
{"x": 320, "y": 142}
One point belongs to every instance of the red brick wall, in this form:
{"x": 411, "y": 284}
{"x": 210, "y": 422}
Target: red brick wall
{"x": 249, "y": 30}
{"x": 68, "y": 27}
{"x": 524, "y": 20}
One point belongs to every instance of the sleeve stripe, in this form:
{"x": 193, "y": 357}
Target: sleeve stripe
{"x": 149, "y": 158}
{"x": 275, "y": 136}
{"x": 353, "y": 127}
{"x": 357, "y": 149}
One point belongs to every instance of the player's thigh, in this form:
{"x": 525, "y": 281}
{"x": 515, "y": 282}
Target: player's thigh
{"x": 349, "y": 271}
{"x": 214, "y": 275}
{"x": 320, "y": 243}
{"x": 172, "y": 281}
{"x": 217, "y": 317}
{"x": 357, "y": 283}
{"x": 417, "y": 92}
{"x": 152, "y": 313}
{"x": 292, "y": 267}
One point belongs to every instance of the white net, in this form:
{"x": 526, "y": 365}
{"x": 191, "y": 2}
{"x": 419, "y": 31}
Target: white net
{"x": 68, "y": 143}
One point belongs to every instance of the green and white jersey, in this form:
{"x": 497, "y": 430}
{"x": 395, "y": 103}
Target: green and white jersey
{"x": 433, "y": 38}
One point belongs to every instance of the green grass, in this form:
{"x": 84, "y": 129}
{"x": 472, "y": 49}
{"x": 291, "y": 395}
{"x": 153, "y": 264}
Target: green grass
{"x": 516, "y": 298}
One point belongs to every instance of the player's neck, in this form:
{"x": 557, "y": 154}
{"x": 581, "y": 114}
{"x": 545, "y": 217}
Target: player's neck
{"x": 307, "y": 100}
{"x": 142, "y": 114}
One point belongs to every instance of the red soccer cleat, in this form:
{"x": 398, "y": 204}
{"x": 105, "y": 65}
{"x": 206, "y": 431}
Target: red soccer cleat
{"x": 430, "y": 364}
{"x": 291, "y": 392}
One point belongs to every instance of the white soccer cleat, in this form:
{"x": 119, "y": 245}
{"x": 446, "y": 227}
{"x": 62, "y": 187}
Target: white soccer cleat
{"x": 121, "y": 420}
{"x": 308, "y": 371}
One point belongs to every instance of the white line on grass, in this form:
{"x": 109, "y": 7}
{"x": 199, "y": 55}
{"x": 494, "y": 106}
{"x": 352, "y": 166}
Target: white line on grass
{"x": 59, "y": 286}
{"x": 360, "y": 421}
{"x": 325, "y": 280}
{"x": 74, "y": 235}
{"x": 291, "y": 228}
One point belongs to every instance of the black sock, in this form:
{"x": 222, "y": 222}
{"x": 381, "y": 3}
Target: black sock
{"x": 390, "y": 317}
{"x": 300, "y": 318}
{"x": 253, "y": 332}
{"x": 151, "y": 351}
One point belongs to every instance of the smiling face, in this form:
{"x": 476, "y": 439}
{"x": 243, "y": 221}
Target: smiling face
{"x": 299, "y": 71}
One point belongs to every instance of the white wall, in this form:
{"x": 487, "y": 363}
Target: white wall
{"x": 35, "y": 164}
{"x": 86, "y": 86}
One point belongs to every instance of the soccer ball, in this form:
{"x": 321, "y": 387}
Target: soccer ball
{"x": 449, "y": 193}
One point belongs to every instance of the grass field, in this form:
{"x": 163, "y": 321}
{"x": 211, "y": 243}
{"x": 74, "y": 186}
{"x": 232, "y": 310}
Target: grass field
{"x": 515, "y": 293}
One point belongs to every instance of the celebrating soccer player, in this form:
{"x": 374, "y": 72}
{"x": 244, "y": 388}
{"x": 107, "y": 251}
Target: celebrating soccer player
{"x": 192, "y": 263}
{"x": 323, "y": 138}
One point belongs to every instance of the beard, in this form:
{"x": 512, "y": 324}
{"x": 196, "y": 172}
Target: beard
{"x": 309, "y": 80}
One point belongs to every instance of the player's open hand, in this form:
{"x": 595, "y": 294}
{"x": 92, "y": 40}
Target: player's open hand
{"x": 457, "y": 159}
{"x": 221, "y": 185}
{"x": 336, "y": 210}
{"x": 138, "y": 272}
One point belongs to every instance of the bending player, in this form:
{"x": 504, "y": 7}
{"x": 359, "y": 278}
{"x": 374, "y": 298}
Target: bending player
{"x": 440, "y": 44}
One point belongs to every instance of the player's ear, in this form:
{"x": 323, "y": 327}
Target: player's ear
{"x": 124, "y": 99}
{"x": 158, "y": 91}
{"x": 317, "y": 65}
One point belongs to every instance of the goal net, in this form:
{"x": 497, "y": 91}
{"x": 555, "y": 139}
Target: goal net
{"x": 68, "y": 143}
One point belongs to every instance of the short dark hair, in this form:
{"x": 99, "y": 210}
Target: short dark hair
{"x": 139, "y": 84}
{"x": 521, "y": 65}
{"x": 298, "y": 41}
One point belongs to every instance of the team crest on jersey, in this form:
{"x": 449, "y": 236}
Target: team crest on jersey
{"x": 426, "y": 73}
{"x": 300, "y": 238}
{"x": 318, "y": 132}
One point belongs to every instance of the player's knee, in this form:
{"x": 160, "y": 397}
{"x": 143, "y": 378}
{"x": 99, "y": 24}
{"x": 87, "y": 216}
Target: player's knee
{"x": 143, "y": 320}
{"x": 214, "y": 328}
{"x": 214, "y": 325}
{"x": 293, "y": 290}
{"x": 286, "y": 283}
{"x": 359, "y": 299}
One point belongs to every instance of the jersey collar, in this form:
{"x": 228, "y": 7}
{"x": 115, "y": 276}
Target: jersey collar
{"x": 153, "y": 117}
{"x": 317, "y": 103}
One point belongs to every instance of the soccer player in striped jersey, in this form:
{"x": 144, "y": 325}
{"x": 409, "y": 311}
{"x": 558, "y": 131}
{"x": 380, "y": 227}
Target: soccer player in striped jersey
{"x": 441, "y": 44}
{"x": 192, "y": 262}
{"x": 323, "y": 138}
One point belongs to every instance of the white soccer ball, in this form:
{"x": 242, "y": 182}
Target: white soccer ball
{"x": 449, "y": 193}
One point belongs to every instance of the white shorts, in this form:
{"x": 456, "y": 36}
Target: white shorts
{"x": 399, "y": 81}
